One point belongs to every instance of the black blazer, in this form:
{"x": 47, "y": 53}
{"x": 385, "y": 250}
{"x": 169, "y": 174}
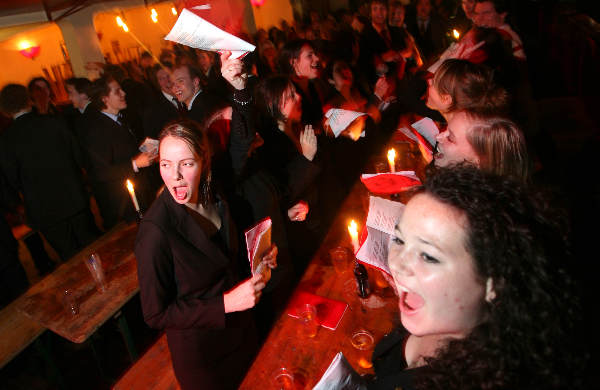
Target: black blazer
{"x": 157, "y": 114}
{"x": 183, "y": 275}
{"x": 110, "y": 148}
{"x": 42, "y": 160}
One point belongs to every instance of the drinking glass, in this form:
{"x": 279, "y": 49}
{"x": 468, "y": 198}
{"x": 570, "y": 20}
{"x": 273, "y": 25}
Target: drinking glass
{"x": 94, "y": 265}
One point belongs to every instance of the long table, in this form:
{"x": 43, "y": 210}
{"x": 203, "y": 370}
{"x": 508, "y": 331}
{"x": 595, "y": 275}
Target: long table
{"x": 43, "y": 301}
{"x": 308, "y": 358}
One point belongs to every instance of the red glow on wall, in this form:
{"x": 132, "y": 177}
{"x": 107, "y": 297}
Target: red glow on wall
{"x": 30, "y": 52}
{"x": 257, "y": 3}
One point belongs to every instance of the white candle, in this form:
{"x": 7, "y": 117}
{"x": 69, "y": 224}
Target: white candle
{"x": 353, "y": 230}
{"x": 133, "y": 197}
{"x": 391, "y": 156}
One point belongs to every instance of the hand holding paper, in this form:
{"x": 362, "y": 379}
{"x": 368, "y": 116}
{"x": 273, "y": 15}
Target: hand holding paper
{"x": 191, "y": 30}
{"x": 232, "y": 70}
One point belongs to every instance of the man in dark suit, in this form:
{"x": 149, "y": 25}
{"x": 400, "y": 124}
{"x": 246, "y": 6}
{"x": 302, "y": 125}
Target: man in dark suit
{"x": 41, "y": 159}
{"x": 381, "y": 45}
{"x": 188, "y": 90}
{"x": 428, "y": 29}
{"x": 112, "y": 150}
{"x": 164, "y": 106}
{"x": 78, "y": 89}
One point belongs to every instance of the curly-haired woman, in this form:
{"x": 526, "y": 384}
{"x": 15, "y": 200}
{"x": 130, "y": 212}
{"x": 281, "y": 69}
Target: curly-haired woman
{"x": 485, "y": 302}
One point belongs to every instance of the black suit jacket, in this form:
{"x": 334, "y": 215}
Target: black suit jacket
{"x": 41, "y": 159}
{"x": 183, "y": 275}
{"x": 433, "y": 41}
{"x": 200, "y": 107}
{"x": 157, "y": 115}
{"x": 110, "y": 148}
{"x": 373, "y": 45}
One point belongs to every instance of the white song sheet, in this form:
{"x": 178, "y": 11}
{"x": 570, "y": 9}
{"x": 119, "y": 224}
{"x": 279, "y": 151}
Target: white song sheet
{"x": 339, "y": 119}
{"x": 191, "y": 30}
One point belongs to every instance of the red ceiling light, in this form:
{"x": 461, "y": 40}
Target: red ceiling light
{"x": 257, "y": 3}
{"x": 29, "y": 50}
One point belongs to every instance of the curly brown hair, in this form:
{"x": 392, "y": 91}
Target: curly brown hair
{"x": 527, "y": 337}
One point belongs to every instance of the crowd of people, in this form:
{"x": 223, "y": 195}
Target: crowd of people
{"x": 477, "y": 260}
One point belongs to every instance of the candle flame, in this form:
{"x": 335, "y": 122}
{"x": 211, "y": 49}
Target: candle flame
{"x": 125, "y": 28}
{"x": 173, "y": 11}
{"x": 391, "y": 155}
{"x": 455, "y": 33}
{"x": 129, "y": 186}
{"x": 119, "y": 21}
{"x": 353, "y": 229}
{"x": 154, "y": 15}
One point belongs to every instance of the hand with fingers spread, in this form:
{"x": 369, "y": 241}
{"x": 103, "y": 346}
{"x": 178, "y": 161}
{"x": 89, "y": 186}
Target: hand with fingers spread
{"x": 232, "y": 70}
{"x": 308, "y": 142}
{"x": 245, "y": 295}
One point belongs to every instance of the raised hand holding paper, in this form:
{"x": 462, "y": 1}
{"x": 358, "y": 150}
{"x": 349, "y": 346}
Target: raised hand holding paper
{"x": 191, "y": 30}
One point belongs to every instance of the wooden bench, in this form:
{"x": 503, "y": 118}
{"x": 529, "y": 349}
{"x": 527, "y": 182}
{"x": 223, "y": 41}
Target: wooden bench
{"x": 153, "y": 371}
{"x": 17, "y": 332}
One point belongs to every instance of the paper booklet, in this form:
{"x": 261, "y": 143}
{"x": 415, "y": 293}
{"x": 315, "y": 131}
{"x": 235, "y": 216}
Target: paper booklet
{"x": 424, "y": 133}
{"x": 428, "y": 129}
{"x": 258, "y": 242}
{"x": 340, "y": 376}
{"x": 382, "y": 219}
{"x": 191, "y": 30}
{"x": 149, "y": 145}
{"x": 389, "y": 182}
{"x": 329, "y": 311}
{"x": 339, "y": 119}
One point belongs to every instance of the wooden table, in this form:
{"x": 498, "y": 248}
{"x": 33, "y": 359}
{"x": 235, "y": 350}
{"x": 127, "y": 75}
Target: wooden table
{"x": 17, "y": 332}
{"x": 43, "y": 301}
{"x": 309, "y": 358}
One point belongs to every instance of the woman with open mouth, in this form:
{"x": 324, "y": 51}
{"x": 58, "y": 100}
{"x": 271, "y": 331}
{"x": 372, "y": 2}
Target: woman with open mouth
{"x": 189, "y": 282}
{"x": 485, "y": 301}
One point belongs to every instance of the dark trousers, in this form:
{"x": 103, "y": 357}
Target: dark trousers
{"x": 72, "y": 234}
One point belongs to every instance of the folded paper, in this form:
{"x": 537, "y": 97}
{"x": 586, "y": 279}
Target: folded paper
{"x": 191, "y": 30}
{"x": 258, "y": 242}
{"x": 339, "y": 119}
{"x": 390, "y": 183}
{"x": 329, "y": 311}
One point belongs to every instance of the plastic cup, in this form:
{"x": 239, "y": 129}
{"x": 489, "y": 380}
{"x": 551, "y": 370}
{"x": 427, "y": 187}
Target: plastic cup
{"x": 94, "y": 265}
{"x": 339, "y": 259}
{"x": 283, "y": 379}
{"x": 70, "y": 302}
{"x": 307, "y": 315}
{"x": 363, "y": 341}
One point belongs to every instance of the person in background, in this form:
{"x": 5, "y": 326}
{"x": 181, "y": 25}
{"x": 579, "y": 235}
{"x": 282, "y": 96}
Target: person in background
{"x": 492, "y": 14}
{"x": 111, "y": 146}
{"x": 164, "y": 106}
{"x": 41, "y": 96}
{"x": 187, "y": 88}
{"x": 189, "y": 282}
{"x": 486, "y": 302}
{"x": 428, "y": 29}
{"x": 43, "y": 162}
{"x": 78, "y": 90}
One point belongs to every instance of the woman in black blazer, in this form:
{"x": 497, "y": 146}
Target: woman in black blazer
{"x": 189, "y": 284}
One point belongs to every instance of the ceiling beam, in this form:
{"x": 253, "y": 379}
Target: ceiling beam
{"x": 47, "y": 10}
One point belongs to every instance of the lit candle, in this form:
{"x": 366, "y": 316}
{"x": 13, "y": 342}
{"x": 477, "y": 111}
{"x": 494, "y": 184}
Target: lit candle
{"x": 392, "y": 159}
{"x": 353, "y": 230}
{"x": 133, "y": 197}
{"x": 455, "y": 33}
